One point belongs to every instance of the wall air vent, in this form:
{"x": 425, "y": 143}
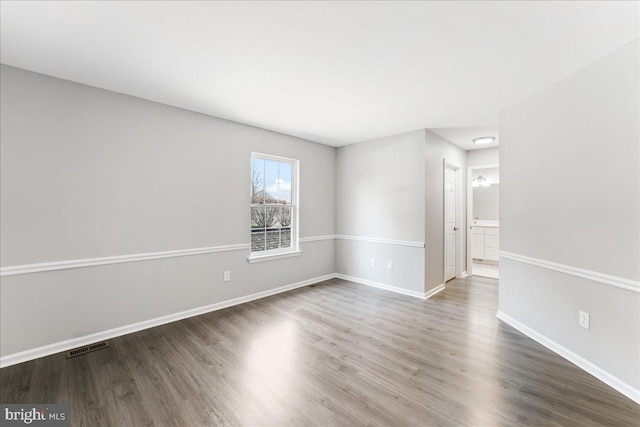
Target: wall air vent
{"x": 86, "y": 349}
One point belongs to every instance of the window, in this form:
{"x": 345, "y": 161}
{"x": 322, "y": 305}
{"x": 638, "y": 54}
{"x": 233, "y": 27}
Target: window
{"x": 274, "y": 209}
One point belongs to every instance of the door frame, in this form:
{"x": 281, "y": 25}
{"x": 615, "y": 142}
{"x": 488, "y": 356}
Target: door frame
{"x": 469, "y": 222}
{"x": 458, "y": 220}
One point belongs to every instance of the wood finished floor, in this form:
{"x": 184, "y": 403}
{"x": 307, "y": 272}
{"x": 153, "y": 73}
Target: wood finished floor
{"x": 337, "y": 353}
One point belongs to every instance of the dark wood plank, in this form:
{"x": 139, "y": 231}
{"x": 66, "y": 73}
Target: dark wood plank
{"x": 337, "y": 353}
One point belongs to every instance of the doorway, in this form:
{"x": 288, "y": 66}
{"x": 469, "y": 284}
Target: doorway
{"x": 483, "y": 217}
{"x": 452, "y": 218}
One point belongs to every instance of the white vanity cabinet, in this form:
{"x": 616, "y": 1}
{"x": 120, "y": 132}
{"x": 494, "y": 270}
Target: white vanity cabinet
{"x": 477, "y": 242}
{"x": 485, "y": 243}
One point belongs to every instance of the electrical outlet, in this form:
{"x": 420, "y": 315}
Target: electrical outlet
{"x": 227, "y": 276}
{"x": 373, "y": 262}
{"x": 583, "y": 319}
{"x": 390, "y": 265}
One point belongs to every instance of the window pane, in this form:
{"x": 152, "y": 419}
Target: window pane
{"x": 273, "y": 239}
{"x": 271, "y": 195}
{"x": 284, "y": 216}
{"x": 276, "y": 214}
{"x": 265, "y": 217}
{"x": 257, "y": 181}
{"x": 271, "y": 217}
{"x": 284, "y": 182}
{"x": 285, "y": 238}
{"x": 270, "y": 170}
{"x": 271, "y": 181}
{"x": 258, "y": 239}
{"x": 257, "y": 218}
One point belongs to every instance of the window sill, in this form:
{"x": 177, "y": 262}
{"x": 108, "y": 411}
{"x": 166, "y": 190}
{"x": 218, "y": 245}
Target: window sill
{"x": 262, "y": 258}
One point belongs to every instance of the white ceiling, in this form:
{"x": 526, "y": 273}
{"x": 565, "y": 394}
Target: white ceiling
{"x": 463, "y": 135}
{"x": 332, "y": 72}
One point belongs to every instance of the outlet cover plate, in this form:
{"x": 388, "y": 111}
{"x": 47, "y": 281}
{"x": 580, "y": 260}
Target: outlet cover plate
{"x": 584, "y": 319}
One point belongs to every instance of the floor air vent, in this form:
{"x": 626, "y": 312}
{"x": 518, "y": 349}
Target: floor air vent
{"x": 86, "y": 349}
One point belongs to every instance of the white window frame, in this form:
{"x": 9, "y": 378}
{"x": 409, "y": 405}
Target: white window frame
{"x": 294, "y": 249}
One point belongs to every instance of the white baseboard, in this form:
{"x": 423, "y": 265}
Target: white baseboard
{"x": 36, "y": 353}
{"x": 434, "y": 291}
{"x": 604, "y": 376}
{"x": 46, "y": 350}
{"x": 415, "y": 294}
{"x": 463, "y": 274}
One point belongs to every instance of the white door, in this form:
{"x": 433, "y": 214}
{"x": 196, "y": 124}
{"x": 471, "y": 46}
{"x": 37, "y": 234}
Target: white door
{"x": 449, "y": 223}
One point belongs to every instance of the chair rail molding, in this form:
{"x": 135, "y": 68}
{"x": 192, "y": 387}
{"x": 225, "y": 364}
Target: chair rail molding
{"x": 92, "y": 262}
{"x": 607, "y": 279}
{"x": 379, "y": 240}
{"x": 117, "y": 259}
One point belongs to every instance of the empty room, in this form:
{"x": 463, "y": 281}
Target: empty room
{"x": 322, "y": 213}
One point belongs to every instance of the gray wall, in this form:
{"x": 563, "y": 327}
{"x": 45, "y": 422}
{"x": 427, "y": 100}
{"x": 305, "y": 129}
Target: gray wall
{"x": 437, "y": 150}
{"x": 380, "y": 188}
{"x": 570, "y": 194}
{"x": 380, "y": 194}
{"x": 483, "y": 156}
{"x": 90, "y": 173}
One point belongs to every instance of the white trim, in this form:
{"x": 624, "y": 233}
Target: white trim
{"x": 58, "y": 347}
{"x": 46, "y": 350}
{"x": 415, "y": 294}
{"x": 434, "y": 291}
{"x": 384, "y": 286}
{"x": 457, "y": 235}
{"x": 317, "y": 238}
{"x": 607, "y": 279}
{"x": 377, "y": 240}
{"x": 463, "y": 275}
{"x": 91, "y": 262}
{"x": 272, "y": 256}
{"x": 294, "y": 204}
{"x": 272, "y": 157}
{"x": 469, "y": 222}
{"x": 604, "y": 376}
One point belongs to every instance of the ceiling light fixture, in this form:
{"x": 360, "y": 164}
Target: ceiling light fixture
{"x": 480, "y": 182}
{"x": 484, "y": 140}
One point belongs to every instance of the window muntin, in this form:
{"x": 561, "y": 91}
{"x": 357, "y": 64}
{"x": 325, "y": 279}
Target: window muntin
{"x": 273, "y": 205}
